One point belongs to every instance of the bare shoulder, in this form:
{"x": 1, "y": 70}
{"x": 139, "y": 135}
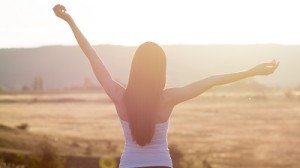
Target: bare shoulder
{"x": 167, "y": 104}
{"x": 170, "y": 95}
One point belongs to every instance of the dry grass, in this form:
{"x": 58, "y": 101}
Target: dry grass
{"x": 222, "y": 131}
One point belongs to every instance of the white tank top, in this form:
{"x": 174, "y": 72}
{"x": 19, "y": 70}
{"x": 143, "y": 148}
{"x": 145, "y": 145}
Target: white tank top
{"x": 156, "y": 153}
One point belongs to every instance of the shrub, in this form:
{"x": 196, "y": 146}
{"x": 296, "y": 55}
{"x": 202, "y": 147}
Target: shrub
{"x": 176, "y": 156}
{"x": 45, "y": 157}
{"x": 3, "y": 164}
{"x": 23, "y": 126}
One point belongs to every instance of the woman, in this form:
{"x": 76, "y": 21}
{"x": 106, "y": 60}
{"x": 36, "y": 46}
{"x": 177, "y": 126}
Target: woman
{"x": 144, "y": 106}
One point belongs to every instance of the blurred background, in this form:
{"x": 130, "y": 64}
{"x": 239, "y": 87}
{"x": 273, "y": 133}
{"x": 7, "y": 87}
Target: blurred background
{"x": 54, "y": 113}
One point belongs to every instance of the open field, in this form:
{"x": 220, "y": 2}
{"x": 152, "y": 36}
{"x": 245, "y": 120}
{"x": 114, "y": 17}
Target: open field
{"x": 249, "y": 130}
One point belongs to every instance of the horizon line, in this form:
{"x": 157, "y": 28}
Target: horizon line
{"x": 162, "y": 44}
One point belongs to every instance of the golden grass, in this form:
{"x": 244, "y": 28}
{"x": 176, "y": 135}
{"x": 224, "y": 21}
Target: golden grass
{"x": 225, "y": 130}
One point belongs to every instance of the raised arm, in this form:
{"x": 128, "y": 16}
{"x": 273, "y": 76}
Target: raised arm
{"x": 112, "y": 88}
{"x": 178, "y": 95}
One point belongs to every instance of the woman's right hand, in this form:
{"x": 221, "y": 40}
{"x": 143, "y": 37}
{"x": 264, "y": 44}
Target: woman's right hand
{"x": 60, "y": 11}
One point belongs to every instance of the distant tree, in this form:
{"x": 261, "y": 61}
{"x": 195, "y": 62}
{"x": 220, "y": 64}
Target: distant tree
{"x": 25, "y": 88}
{"x": 38, "y": 83}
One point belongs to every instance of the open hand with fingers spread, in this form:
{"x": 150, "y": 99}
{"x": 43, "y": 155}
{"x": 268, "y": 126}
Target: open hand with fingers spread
{"x": 60, "y": 11}
{"x": 265, "y": 68}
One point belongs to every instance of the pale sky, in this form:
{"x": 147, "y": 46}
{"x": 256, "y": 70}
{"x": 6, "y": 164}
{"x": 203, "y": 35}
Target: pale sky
{"x": 32, "y": 23}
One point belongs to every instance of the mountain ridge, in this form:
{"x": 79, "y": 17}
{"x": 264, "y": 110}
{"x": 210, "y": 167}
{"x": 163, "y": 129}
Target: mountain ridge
{"x": 65, "y": 66}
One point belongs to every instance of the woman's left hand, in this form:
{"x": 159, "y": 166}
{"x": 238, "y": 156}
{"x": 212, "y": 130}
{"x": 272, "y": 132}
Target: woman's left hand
{"x": 265, "y": 68}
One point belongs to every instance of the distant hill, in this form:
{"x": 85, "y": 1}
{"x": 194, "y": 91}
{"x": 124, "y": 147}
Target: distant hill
{"x": 66, "y": 66}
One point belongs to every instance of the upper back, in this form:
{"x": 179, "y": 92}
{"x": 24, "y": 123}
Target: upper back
{"x": 164, "y": 110}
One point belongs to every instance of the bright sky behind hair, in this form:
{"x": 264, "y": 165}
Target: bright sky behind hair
{"x": 32, "y": 23}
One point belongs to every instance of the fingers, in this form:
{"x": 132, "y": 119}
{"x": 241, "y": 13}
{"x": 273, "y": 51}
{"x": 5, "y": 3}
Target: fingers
{"x": 272, "y": 64}
{"x": 55, "y": 8}
{"x": 267, "y": 68}
{"x": 275, "y": 65}
{"x": 60, "y": 8}
{"x": 268, "y": 64}
{"x": 275, "y": 62}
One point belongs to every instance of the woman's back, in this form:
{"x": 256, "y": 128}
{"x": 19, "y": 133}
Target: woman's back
{"x": 156, "y": 153}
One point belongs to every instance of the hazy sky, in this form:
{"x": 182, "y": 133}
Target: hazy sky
{"x": 31, "y": 23}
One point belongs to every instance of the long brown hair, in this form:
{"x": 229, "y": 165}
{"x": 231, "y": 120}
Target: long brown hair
{"x": 143, "y": 93}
